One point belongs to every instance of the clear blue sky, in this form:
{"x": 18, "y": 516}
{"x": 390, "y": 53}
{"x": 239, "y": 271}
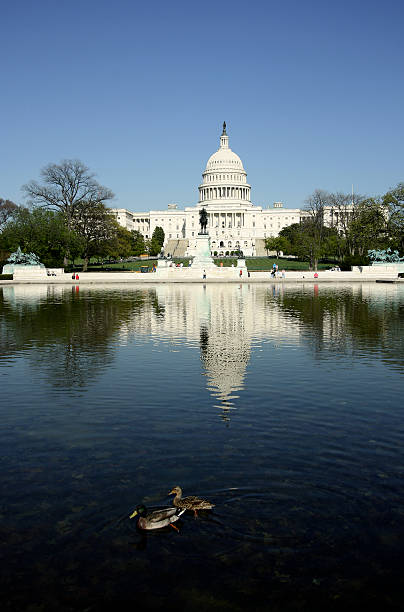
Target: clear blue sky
{"x": 312, "y": 93}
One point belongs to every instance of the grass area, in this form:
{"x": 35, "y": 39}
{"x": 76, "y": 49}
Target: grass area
{"x": 6, "y": 277}
{"x": 263, "y": 264}
{"x": 266, "y": 263}
{"x": 121, "y": 266}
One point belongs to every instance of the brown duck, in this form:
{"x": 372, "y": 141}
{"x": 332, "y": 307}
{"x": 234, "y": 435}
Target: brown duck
{"x": 189, "y": 503}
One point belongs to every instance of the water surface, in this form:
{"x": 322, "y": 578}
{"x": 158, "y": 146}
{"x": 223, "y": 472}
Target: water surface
{"x": 282, "y": 405}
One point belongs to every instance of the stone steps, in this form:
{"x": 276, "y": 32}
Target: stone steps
{"x": 176, "y": 248}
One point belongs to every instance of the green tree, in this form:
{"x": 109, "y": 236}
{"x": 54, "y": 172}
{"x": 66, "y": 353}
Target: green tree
{"x": 96, "y": 226}
{"x": 304, "y": 241}
{"x": 138, "y": 243}
{"x": 394, "y": 201}
{"x": 313, "y": 225}
{"x": 157, "y": 241}
{"x": 66, "y": 187}
{"x": 277, "y": 244}
{"x": 42, "y": 232}
{"x": 121, "y": 245}
{"x": 291, "y": 233}
{"x": 369, "y": 228}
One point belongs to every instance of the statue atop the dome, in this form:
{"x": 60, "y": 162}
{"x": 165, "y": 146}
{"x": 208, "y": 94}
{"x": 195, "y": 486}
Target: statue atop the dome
{"x": 203, "y": 220}
{"x": 224, "y": 133}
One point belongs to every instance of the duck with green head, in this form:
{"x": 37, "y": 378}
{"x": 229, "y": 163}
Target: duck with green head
{"x": 156, "y": 519}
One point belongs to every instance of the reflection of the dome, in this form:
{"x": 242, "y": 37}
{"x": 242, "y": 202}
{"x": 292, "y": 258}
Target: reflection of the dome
{"x": 224, "y": 321}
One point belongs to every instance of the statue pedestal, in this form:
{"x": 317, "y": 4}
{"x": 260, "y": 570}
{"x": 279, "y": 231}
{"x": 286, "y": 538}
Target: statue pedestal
{"x": 203, "y": 259}
{"x": 163, "y": 263}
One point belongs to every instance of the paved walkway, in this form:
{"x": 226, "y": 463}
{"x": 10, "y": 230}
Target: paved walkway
{"x": 181, "y": 275}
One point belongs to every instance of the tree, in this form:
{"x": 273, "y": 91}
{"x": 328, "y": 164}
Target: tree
{"x": 157, "y": 240}
{"x": 95, "y": 225}
{"x": 303, "y": 240}
{"x": 7, "y": 209}
{"x": 394, "y": 200}
{"x": 278, "y": 243}
{"x": 122, "y": 243}
{"x": 369, "y": 228}
{"x": 67, "y": 186}
{"x": 314, "y": 225}
{"x": 138, "y": 243}
{"x": 42, "y": 232}
{"x": 291, "y": 233}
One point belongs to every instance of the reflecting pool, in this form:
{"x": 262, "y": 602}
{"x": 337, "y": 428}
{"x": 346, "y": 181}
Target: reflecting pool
{"x": 280, "y": 404}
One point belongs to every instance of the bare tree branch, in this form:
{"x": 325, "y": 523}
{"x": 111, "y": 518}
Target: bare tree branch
{"x": 65, "y": 187}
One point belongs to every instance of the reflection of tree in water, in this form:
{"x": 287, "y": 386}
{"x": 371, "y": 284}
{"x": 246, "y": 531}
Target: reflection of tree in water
{"x": 73, "y": 333}
{"x": 344, "y": 320}
{"x": 159, "y": 309}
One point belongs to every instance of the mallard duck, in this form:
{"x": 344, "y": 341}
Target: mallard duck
{"x": 157, "y": 518}
{"x": 189, "y": 503}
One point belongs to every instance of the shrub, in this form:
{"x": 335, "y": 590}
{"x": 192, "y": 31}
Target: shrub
{"x": 354, "y": 260}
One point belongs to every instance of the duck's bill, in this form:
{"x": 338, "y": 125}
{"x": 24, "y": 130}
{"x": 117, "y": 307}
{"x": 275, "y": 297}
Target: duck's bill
{"x": 134, "y": 513}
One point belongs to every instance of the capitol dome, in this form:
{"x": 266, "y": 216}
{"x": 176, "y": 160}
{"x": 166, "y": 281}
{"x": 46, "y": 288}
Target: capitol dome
{"x": 224, "y": 159}
{"x": 224, "y": 179}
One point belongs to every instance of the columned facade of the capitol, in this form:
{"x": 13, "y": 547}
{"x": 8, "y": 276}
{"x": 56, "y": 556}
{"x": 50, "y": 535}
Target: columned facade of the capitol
{"x": 234, "y": 222}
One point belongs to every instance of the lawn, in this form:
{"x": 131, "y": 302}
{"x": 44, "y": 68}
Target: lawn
{"x": 253, "y": 263}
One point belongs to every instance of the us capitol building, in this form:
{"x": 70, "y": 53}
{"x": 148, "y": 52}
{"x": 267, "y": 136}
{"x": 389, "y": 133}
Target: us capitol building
{"x": 234, "y": 222}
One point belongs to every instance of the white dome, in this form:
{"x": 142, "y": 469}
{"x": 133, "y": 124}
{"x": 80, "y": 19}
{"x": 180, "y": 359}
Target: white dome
{"x": 224, "y": 180}
{"x": 224, "y": 159}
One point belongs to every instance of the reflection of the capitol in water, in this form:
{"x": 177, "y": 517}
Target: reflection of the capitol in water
{"x": 227, "y": 321}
